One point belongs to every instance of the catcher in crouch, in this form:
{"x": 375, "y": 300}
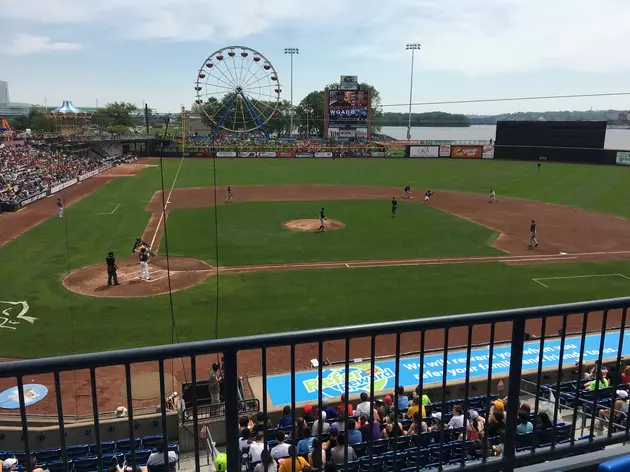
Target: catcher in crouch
{"x": 139, "y": 245}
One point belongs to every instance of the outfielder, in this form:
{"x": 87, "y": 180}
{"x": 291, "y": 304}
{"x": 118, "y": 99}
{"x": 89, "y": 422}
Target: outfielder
{"x": 532, "y": 235}
{"x": 322, "y": 217}
{"x": 394, "y": 207}
{"x": 59, "y": 208}
{"x": 144, "y": 264}
{"x": 493, "y": 196}
{"x": 428, "y": 195}
{"x": 228, "y": 196}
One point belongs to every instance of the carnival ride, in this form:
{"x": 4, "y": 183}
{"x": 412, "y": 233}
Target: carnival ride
{"x": 68, "y": 119}
{"x": 238, "y": 90}
{"x": 4, "y": 125}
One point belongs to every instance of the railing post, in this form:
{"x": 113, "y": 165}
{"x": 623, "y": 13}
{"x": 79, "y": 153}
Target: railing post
{"x": 230, "y": 381}
{"x": 514, "y": 390}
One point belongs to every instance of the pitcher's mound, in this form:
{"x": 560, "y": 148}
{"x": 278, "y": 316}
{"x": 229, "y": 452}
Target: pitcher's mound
{"x": 312, "y": 225}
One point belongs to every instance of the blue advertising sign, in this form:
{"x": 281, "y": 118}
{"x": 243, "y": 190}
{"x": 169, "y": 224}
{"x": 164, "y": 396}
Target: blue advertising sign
{"x": 10, "y": 400}
{"x": 333, "y": 379}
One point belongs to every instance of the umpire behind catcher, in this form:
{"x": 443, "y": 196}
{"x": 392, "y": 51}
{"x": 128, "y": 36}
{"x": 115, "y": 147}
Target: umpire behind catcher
{"x": 110, "y": 260}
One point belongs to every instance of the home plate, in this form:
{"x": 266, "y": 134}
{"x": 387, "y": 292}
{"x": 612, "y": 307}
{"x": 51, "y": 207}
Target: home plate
{"x": 564, "y": 254}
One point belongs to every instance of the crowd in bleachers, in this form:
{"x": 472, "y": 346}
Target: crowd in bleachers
{"x": 27, "y": 170}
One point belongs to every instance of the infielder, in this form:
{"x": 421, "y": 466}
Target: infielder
{"x": 322, "y": 218}
{"x": 406, "y": 192}
{"x": 228, "y": 196}
{"x": 59, "y": 208}
{"x": 493, "y": 196}
{"x": 532, "y": 235}
{"x": 428, "y": 195}
{"x": 394, "y": 207}
{"x": 144, "y": 264}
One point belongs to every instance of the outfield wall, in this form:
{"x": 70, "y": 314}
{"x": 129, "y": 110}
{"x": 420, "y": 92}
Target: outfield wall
{"x": 558, "y": 154}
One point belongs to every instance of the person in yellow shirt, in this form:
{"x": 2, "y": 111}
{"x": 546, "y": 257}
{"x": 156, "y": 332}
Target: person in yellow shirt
{"x": 415, "y": 407}
{"x": 287, "y": 464}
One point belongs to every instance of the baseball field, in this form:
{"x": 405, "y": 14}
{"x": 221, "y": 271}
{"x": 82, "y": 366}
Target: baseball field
{"x": 457, "y": 253}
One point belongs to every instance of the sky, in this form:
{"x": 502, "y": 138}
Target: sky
{"x": 149, "y": 51}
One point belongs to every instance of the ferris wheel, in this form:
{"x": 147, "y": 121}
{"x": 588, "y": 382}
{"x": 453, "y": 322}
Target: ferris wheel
{"x": 238, "y": 89}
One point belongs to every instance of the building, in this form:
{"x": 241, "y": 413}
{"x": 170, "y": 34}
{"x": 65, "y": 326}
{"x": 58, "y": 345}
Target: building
{"x": 9, "y": 108}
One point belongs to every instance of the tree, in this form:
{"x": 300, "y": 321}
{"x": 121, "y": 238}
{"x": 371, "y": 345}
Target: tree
{"x": 311, "y": 107}
{"x": 40, "y": 121}
{"x": 118, "y": 113}
{"x": 117, "y": 129}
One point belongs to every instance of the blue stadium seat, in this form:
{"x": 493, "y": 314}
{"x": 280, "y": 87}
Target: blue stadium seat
{"x": 379, "y": 446}
{"x": 107, "y": 447}
{"x": 85, "y": 464}
{"x": 159, "y": 468}
{"x": 125, "y": 445}
{"x": 377, "y": 464}
{"x": 352, "y": 467}
{"x": 141, "y": 456}
{"x": 525, "y": 440}
{"x": 58, "y": 466}
{"x": 80, "y": 450}
{"x": 109, "y": 457}
{"x": 46, "y": 455}
{"x": 360, "y": 448}
{"x": 149, "y": 442}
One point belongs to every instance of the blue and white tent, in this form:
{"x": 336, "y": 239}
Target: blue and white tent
{"x": 67, "y": 107}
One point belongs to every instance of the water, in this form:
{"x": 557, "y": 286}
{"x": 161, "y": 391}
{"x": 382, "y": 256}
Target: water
{"x": 615, "y": 138}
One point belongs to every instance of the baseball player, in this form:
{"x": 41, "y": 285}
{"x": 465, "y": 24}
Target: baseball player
{"x": 144, "y": 264}
{"x": 322, "y": 217}
{"x": 59, "y": 208}
{"x": 493, "y": 196}
{"x": 406, "y": 192}
{"x": 538, "y": 166}
{"x": 228, "y": 196}
{"x": 110, "y": 260}
{"x": 394, "y": 207}
{"x": 532, "y": 235}
{"x": 139, "y": 244}
{"x": 428, "y": 195}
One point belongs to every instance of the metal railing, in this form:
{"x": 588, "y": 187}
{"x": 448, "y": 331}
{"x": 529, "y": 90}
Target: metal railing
{"x": 425, "y": 331}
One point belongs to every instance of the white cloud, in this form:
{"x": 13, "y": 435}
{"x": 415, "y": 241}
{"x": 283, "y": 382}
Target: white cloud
{"x": 24, "y": 44}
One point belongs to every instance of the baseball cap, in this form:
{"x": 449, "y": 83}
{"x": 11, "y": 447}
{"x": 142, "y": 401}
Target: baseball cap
{"x": 474, "y": 414}
{"x": 308, "y": 409}
{"x": 334, "y": 430}
{"x": 498, "y": 404}
{"x": 622, "y": 394}
{"x": 387, "y": 399}
{"x": 9, "y": 463}
{"x": 437, "y": 415}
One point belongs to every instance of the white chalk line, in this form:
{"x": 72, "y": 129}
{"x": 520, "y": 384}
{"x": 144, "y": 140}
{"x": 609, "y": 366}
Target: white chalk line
{"x": 168, "y": 200}
{"x": 538, "y": 279}
{"x": 117, "y": 207}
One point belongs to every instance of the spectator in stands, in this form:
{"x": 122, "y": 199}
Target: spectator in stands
{"x": 385, "y": 409}
{"x": 266, "y": 459}
{"x": 354, "y": 435}
{"x": 474, "y": 426}
{"x": 308, "y": 413}
{"x": 526, "y": 407}
{"x": 337, "y": 453}
{"x": 332, "y": 442}
{"x": 425, "y": 398}
{"x": 600, "y": 382}
{"x": 10, "y": 464}
{"x": 625, "y": 376}
{"x": 498, "y": 449}
{"x": 282, "y": 448}
{"x": 340, "y": 424}
{"x": 156, "y": 459}
{"x": 342, "y": 406}
{"x": 286, "y": 419}
{"x": 214, "y": 385}
{"x": 415, "y": 407}
{"x": 621, "y": 406}
{"x": 257, "y": 446}
{"x": 317, "y": 457}
{"x": 305, "y": 445}
{"x": 371, "y": 431}
{"x": 325, "y": 427}
{"x": 330, "y": 411}
{"x": 244, "y": 422}
{"x": 457, "y": 420}
{"x": 287, "y": 464}
{"x": 364, "y": 407}
{"x": 403, "y": 400}
{"x": 300, "y": 427}
{"x": 524, "y": 425}
{"x": 543, "y": 421}
{"x": 393, "y": 428}
{"x": 245, "y": 439}
{"x": 417, "y": 426}
{"x": 34, "y": 467}
{"x": 495, "y": 424}
{"x": 261, "y": 422}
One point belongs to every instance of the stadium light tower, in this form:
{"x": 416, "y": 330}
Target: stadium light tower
{"x": 413, "y": 47}
{"x": 291, "y": 52}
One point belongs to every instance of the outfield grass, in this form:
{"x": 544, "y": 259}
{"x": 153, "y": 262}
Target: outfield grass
{"x": 251, "y": 233}
{"x": 34, "y": 264}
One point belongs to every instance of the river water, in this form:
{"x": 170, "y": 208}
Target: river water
{"x": 615, "y": 138}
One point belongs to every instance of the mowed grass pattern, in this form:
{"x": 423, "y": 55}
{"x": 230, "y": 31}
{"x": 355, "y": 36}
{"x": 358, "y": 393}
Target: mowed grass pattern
{"x": 34, "y": 264}
{"x": 252, "y": 233}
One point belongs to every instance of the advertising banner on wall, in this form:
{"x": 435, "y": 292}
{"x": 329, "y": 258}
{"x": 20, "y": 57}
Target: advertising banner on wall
{"x": 267, "y": 154}
{"x": 285, "y": 154}
{"x": 32, "y": 199}
{"x": 226, "y": 154}
{"x": 377, "y": 154}
{"x": 466, "y": 152}
{"x": 323, "y": 154}
{"x": 623, "y": 158}
{"x": 304, "y": 154}
{"x": 445, "y": 150}
{"x": 62, "y": 186}
{"x": 488, "y": 151}
{"x": 88, "y": 175}
{"x": 246, "y": 154}
{"x": 424, "y": 151}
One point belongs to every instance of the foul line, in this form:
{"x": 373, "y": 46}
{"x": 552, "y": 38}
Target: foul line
{"x": 538, "y": 280}
{"x": 117, "y": 206}
{"x": 168, "y": 200}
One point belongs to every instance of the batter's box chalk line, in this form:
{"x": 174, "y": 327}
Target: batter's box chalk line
{"x": 538, "y": 280}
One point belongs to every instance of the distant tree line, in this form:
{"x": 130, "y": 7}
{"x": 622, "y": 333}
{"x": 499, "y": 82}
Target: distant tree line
{"x": 432, "y": 118}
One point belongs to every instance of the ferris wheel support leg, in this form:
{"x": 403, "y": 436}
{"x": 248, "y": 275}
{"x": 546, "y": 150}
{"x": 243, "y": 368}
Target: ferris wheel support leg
{"x": 225, "y": 114}
{"x": 256, "y": 117}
